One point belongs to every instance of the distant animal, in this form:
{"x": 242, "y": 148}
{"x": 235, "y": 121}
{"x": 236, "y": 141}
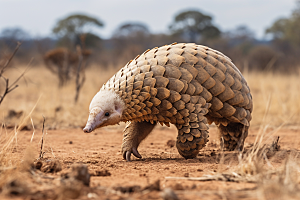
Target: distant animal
{"x": 64, "y": 63}
{"x": 187, "y": 85}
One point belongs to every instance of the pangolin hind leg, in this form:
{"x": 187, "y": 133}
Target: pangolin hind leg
{"x": 192, "y": 136}
{"x": 134, "y": 133}
{"x": 233, "y": 136}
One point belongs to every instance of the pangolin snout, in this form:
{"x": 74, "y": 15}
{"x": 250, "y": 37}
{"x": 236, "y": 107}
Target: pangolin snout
{"x": 87, "y": 129}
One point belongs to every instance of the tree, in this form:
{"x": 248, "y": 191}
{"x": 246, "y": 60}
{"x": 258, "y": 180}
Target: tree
{"x": 10, "y": 36}
{"x": 241, "y": 32}
{"x": 240, "y": 40}
{"x": 64, "y": 63}
{"x": 194, "y": 25}
{"x": 14, "y": 34}
{"x": 72, "y": 27}
{"x": 132, "y": 33}
{"x": 277, "y": 30}
{"x": 130, "y": 39}
{"x": 131, "y": 30}
{"x": 285, "y": 33}
{"x": 287, "y": 29}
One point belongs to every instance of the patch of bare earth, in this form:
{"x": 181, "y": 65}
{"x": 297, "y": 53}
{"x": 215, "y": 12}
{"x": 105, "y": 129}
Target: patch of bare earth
{"x": 161, "y": 174}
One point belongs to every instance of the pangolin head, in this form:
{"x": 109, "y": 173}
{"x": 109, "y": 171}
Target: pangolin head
{"x": 105, "y": 109}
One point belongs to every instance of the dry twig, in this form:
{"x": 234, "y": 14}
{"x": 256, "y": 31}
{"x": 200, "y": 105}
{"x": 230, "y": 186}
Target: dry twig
{"x": 42, "y": 142}
{"x": 9, "y": 87}
{"x": 227, "y": 177}
{"x": 10, "y": 58}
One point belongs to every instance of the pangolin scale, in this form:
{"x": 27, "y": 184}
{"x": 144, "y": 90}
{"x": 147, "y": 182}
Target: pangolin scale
{"x": 187, "y": 85}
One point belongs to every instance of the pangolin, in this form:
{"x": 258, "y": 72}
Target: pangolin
{"x": 184, "y": 84}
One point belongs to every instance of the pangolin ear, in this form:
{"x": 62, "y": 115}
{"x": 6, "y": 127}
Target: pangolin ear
{"x": 118, "y": 108}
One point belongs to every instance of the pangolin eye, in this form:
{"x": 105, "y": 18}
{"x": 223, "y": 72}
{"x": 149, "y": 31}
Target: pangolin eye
{"x": 107, "y": 114}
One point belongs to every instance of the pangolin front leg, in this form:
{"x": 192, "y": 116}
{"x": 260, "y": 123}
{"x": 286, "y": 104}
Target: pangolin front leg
{"x": 192, "y": 136}
{"x": 134, "y": 133}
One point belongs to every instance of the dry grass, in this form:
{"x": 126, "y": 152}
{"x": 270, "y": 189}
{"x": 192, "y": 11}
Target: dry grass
{"x": 276, "y": 104}
{"x": 272, "y": 182}
{"x": 57, "y": 104}
{"x": 9, "y": 142}
{"x": 254, "y": 166}
{"x": 284, "y": 94}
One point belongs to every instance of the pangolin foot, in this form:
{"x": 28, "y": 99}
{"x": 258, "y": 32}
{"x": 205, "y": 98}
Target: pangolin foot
{"x": 127, "y": 154}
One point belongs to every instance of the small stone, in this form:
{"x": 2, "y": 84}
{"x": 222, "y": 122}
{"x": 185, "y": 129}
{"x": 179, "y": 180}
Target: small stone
{"x": 92, "y": 195}
{"x": 38, "y": 165}
{"x": 154, "y": 186}
{"x": 171, "y": 143}
{"x": 81, "y": 173}
{"x": 169, "y": 194}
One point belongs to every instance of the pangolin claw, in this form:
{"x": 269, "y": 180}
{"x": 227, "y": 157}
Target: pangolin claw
{"x": 127, "y": 154}
{"x": 136, "y": 153}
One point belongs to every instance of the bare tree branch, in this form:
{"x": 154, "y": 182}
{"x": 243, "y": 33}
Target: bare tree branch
{"x": 11, "y": 57}
{"x": 10, "y": 87}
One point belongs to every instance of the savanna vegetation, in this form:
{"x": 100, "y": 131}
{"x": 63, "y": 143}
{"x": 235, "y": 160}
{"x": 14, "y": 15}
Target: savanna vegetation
{"x": 47, "y": 84}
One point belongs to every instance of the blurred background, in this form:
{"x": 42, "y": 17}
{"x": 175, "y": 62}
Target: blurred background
{"x": 72, "y": 47}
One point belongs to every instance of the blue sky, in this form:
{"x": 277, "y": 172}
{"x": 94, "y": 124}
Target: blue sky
{"x": 39, "y": 16}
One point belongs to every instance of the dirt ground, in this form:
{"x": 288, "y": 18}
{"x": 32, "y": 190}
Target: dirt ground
{"x": 114, "y": 178}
